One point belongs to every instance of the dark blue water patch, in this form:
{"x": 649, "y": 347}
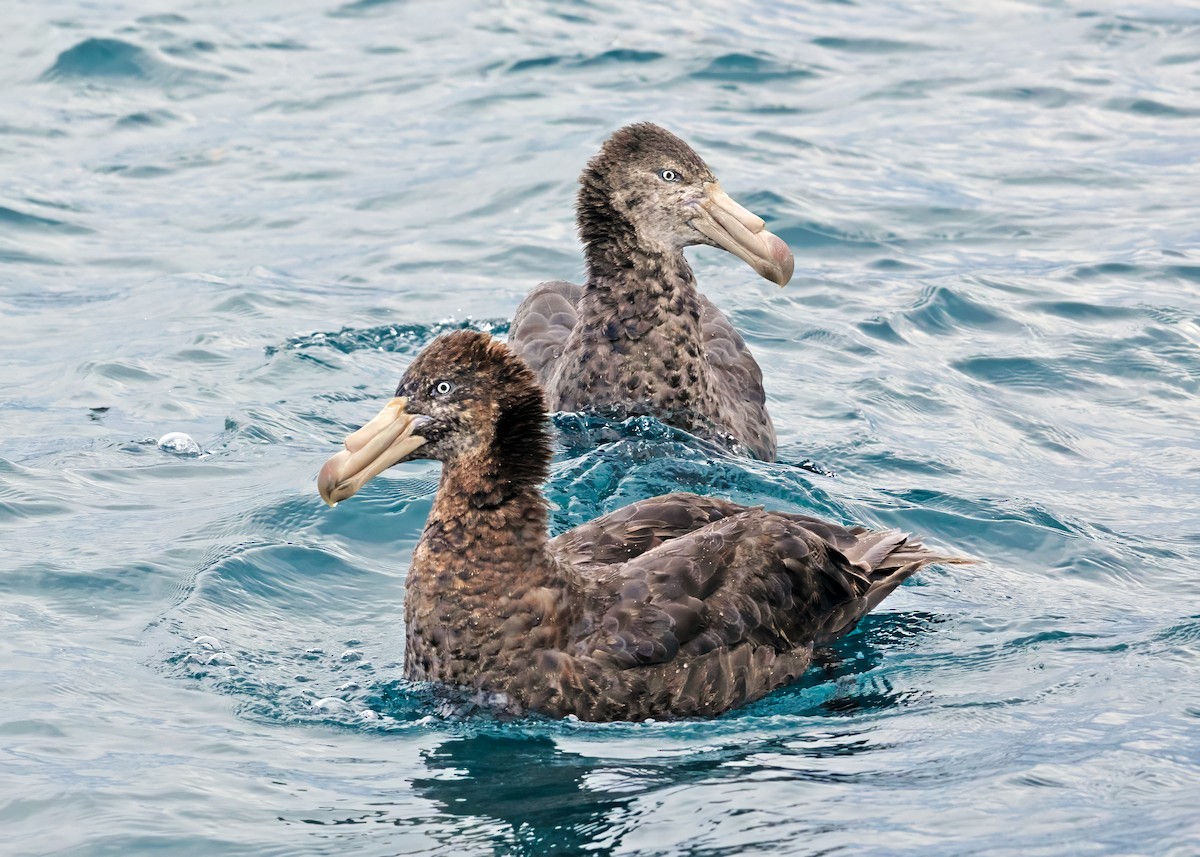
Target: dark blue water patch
{"x": 764, "y": 202}
{"x": 810, "y": 235}
{"x": 1180, "y": 59}
{"x": 1078, "y": 176}
{"x": 20, "y": 131}
{"x": 1150, "y": 108}
{"x": 10, "y": 218}
{"x": 116, "y": 61}
{"x": 1028, "y": 373}
{"x": 747, "y": 68}
{"x": 366, "y": 8}
{"x": 1113, "y": 31}
{"x": 1051, "y": 97}
{"x": 1188, "y": 273}
{"x": 534, "y": 62}
{"x": 1084, "y": 311}
{"x": 894, "y": 266}
{"x": 618, "y": 56}
{"x": 200, "y": 46}
{"x": 1105, "y": 270}
{"x": 916, "y": 89}
{"x": 882, "y": 329}
{"x": 941, "y": 309}
{"x": 147, "y": 119}
{"x": 23, "y": 257}
{"x": 163, "y": 19}
{"x": 278, "y": 45}
{"x": 869, "y": 46}
{"x": 137, "y": 171}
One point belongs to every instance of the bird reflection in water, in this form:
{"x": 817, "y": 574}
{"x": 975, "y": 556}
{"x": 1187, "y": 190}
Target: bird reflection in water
{"x": 538, "y": 792}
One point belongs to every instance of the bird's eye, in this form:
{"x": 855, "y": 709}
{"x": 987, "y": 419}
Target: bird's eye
{"x": 442, "y": 388}
{"x": 669, "y": 175}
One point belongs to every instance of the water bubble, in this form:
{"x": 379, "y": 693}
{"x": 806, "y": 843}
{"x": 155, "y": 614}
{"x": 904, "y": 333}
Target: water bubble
{"x": 368, "y": 714}
{"x": 351, "y": 655}
{"x": 331, "y": 705}
{"x": 210, "y": 643}
{"x": 178, "y": 443}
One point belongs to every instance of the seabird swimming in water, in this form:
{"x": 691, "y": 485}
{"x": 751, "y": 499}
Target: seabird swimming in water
{"x": 637, "y": 337}
{"x": 677, "y": 606}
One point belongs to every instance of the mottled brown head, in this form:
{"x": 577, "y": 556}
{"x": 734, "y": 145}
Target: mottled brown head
{"x": 647, "y": 189}
{"x": 467, "y": 401}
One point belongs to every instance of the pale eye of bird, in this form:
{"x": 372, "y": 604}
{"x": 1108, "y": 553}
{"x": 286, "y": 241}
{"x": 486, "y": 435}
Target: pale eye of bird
{"x": 442, "y": 388}
{"x": 669, "y": 175}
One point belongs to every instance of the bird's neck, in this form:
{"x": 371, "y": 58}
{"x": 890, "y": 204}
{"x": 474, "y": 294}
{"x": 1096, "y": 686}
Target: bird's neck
{"x": 627, "y": 276}
{"x": 639, "y": 321}
{"x": 483, "y": 511}
{"x": 483, "y": 584}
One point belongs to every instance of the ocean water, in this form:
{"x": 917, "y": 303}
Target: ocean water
{"x": 240, "y": 221}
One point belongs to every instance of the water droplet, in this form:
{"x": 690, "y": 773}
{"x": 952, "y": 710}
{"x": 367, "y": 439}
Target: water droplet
{"x": 178, "y": 443}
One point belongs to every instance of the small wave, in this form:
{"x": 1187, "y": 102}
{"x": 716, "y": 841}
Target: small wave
{"x": 364, "y": 8}
{"x": 147, "y": 119}
{"x": 1151, "y": 108}
{"x": 534, "y": 62}
{"x": 1030, "y": 373}
{"x": 394, "y": 338}
{"x": 12, "y": 219}
{"x": 941, "y": 309}
{"x": 619, "y": 55}
{"x": 1051, "y": 97}
{"x": 745, "y": 68}
{"x": 117, "y": 61}
{"x": 605, "y": 464}
{"x": 868, "y": 46}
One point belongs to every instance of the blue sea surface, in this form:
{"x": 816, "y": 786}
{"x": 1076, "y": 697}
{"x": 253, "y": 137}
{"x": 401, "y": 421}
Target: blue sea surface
{"x": 240, "y": 221}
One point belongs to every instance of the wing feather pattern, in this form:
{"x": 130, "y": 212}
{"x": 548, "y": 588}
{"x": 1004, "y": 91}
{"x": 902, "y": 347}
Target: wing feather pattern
{"x": 542, "y": 324}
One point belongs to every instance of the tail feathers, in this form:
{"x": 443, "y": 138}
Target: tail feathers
{"x": 871, "y": 548}
{"x": 889, "y": 557}
{"x": 883, "y": 551}
{"x": 882, "y": 588}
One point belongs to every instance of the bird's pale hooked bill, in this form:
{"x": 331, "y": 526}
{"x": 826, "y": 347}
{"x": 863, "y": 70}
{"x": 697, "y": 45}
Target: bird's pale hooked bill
{"x": 743, "y": 234}
{"x": 386, "y": 440}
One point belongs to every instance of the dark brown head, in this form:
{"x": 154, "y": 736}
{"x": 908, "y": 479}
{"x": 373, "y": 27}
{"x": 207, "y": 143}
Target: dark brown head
{"x": 646, "y": 188}
{"x": 467, "y": 401}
